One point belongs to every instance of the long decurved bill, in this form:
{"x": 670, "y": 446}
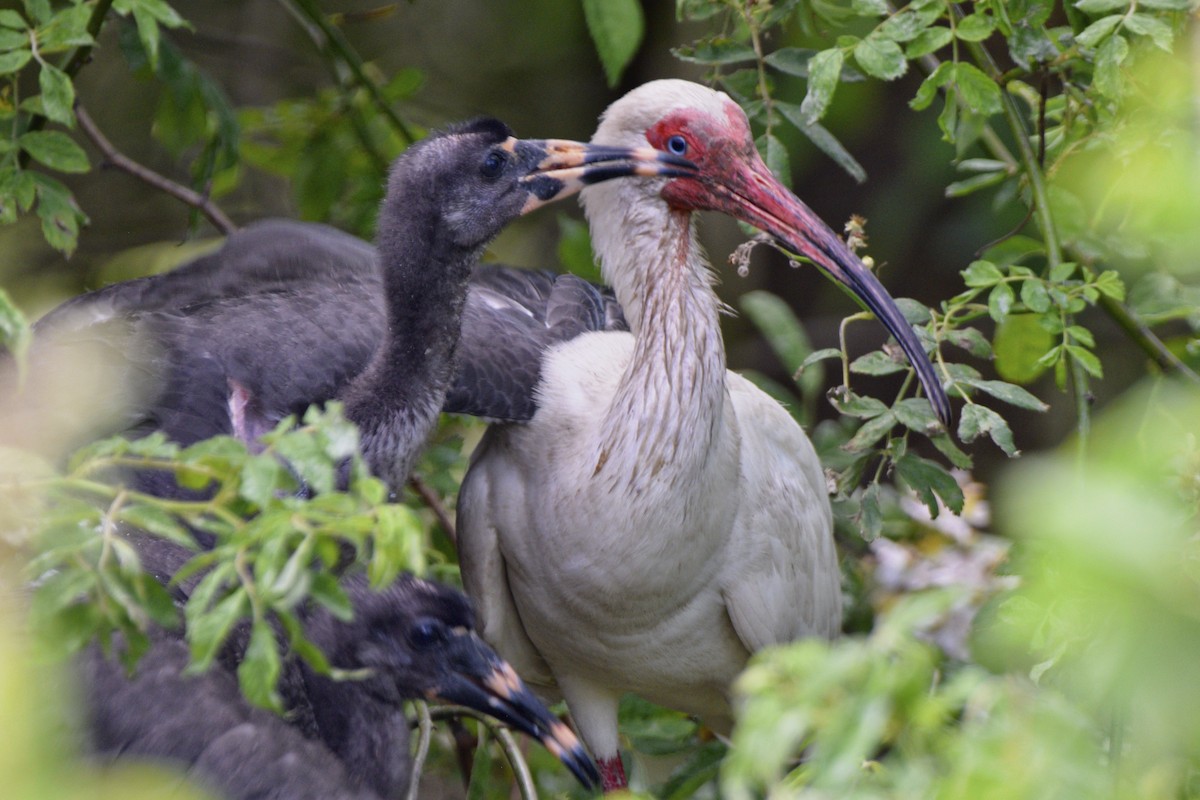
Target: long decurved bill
{"x": 563, "y": 167}
{"x": 746, "y": 189}
{"x": 482, "y": 680}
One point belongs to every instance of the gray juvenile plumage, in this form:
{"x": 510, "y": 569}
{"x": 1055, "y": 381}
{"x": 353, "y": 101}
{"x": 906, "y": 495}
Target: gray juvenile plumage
{"x": 340, "y": 739}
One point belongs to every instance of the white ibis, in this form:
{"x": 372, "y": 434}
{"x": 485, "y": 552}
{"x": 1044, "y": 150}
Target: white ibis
{"x": 295, "y": 313}
{"x": 340, "y": 739}
{"x": 660, "y": 519}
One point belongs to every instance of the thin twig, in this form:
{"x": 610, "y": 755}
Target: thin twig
{"x": 431, "y": 499}
{"x": 115, "y": 158}
{"x": 1141, "y": 334}
{"x": 425, "y": 725}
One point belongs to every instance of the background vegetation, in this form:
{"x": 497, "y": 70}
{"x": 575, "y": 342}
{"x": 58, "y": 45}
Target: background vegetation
{"x": 1027, "y": 170}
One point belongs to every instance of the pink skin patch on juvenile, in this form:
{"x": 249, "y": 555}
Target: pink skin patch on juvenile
{"x": 612, "y": 774}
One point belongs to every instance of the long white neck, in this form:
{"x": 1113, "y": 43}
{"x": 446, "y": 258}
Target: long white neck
{"x": 667, "y": 410}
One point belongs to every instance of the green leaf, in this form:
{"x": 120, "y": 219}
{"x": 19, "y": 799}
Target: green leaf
{"x": 1009, "y": 393}
{"x": 1087, "y": 359}
{"x": 39, "y": 10}
{"x": 1091, "y": 36}
{"x": 823, "y": 139}
{"x": 1034, "y": 295}
{"x": 258, "y": 673}
{"x": 789, "y": 60}
{"x": 928, "y": 41}
{"x": 14, "y": 61}
{"x": 930, "y": 481}
{"x": 869, "y": 8}
{"x": 1158, "y": 31}
{"x": 776, "y": 157}
{"x": 1110, "y": 284}
{"x": 877, "y": 362}
{"x": 13, "y": 40}
{"x": 977, "y": 420}
{"x": 971, "y": 340}
{"x": 1168, "y": 5}
{"x": 67, "y": 29}
{"x": 929, "y": 87}
{"x": 1081, "y": 335}
{"x": 207, "y": 630}
{"x": 14, "y": 330}
{"x": 617, "y": 27}
{"x": 779, "y": 325}
{"x": 870, "y": 517}
{"x": 881, "y": 58}
{"x": 975, "y": 183}
{"x": 975, "y": 27}
{"x": 1000, "y": 301}
{"x": 713, "y": 52}
{"x": 56, "y": 208}
{"x": 871, "y": 432}
{"x": 155, "y": 520}
{"x": 823, "y": 71}
{"x": 951, "y": 451}
{"x": 1100, "y": 6}
{"x": 820, "y": 355}
{"x": 58, "y": 100}
{"x": 859, "y": 406}
{"x": 909, "y": 22}
{"x": 980, "y": 274}
{"x": 916, "y": 414}
{"x": 327, "y": 591}
{"x": 1109, "y": 57}
{"x": 11, "y": 19}
{"x": 54, "y": 149}
{"x": 1062, "y": 271}
{"x": 979, "y": 92}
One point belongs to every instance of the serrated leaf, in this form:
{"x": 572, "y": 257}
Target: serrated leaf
{"x": 789, "y": 60}
{"x": 716, "y": 51}
{"x": 1092, "y": 34}
{"x": 975, "y": 27}
{"x": 819, "y": 355}
{"x": 1107, "y": 74}
{"x": 1100, "y": 6}
{"x": 1062, "y": 271}
{"x": 1009, "y": 393}
{"x": 14, "y": 61}
{"x": 908, "y": 23}
{"x": 823, "y": 71}
{"x": 977, "y": 420}
{"x": 870, "y": 432}
{"x": 825, "y": 141}
{"x": 1081, "y": 335}
{"x": 1034, "y": 295}
{"x": 258, "y": 673}
{"x": 930, "y": 481}
{"x": 881, "y": 58}
{"x": 1000, "y": 301}
{"x": 58, "y": 101}
{"x": 877, "y": 362}
{"x": 54, "y": 149}
{"x": 1158, "y": 30}
{"x": 859, "y": 406}
{"x": 207, "y": 630}
{"x": 951, "y": 451}
{"x": 916, "y": 414}
{"x": 975, "y": 183}
{"x": 971, "y": 340}
{"x": 928, "y": 41}
{"x": 929, "y": 87}
{"x": 1087, "y": 359}
{"x": 979, "y": 92}
{"x": 1110, "y": 284}
{"x": 616, "y": 27}
{"x": 981, "y": 274}
{"x": 870, "y": 517}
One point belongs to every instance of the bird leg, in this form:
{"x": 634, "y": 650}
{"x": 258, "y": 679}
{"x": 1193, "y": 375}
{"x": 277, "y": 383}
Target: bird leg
{"x": 612, "y": 774}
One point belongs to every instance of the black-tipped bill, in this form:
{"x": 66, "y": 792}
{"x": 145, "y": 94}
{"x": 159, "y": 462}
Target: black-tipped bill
{"x": 563, "y": 167}
{"x": 490, "y": 685}
{"x": 750, "y": 193}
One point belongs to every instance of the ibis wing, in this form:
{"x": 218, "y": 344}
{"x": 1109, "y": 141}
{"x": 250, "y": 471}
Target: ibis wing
{"x": 781, "y": 579}
{"x": 511, "y": 317}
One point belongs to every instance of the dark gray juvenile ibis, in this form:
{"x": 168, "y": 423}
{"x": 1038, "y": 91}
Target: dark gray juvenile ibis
{"x": 659, "y": 519}
{"x": 340, "y": 738}
{"x": 299, "y": 314}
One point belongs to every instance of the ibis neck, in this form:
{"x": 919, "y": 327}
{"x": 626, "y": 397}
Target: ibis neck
{"x": 396, "y": 400}
{"x": 667, "y": 411}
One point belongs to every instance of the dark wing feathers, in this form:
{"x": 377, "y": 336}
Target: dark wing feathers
{"x": 512, "y": 316}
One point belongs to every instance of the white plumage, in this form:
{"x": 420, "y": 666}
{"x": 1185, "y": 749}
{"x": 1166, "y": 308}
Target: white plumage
{"x": 660, "y": 518}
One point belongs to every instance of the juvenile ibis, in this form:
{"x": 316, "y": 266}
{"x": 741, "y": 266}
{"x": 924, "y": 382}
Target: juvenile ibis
{"x": 659, "y": 518}
{"x": 340, "y": 739}
{"x": 298, "y": 314}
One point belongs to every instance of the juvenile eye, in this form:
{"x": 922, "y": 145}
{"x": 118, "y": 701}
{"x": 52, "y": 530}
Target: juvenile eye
{"x": 493, "y": 164}
{"x": 677, "y": 145}
{"x": 426, "y": 633}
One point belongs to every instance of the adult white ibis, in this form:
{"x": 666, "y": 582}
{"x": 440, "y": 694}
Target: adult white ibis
{"x": 660, "y": 519}
{"x": 340, "y": 739}
{"x": 299, "y": 314}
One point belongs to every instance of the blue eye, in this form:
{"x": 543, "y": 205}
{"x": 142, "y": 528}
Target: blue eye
{"x": 677, "y": 145}
{"x": 493, "y": 164}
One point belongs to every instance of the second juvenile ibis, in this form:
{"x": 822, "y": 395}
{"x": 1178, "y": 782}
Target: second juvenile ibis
{"x": 660, "y": 518}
